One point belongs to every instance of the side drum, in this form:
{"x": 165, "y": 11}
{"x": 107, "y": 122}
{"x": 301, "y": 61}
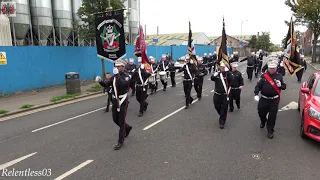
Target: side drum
{"x": 163, "y": 75}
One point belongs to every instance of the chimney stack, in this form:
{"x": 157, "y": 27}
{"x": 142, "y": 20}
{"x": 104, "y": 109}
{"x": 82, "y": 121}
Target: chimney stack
{"x": 258, "y": 35}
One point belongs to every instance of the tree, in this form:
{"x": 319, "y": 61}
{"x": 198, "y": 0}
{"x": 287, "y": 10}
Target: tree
{"x": 253, "y": 42}
{"x": 264, "y": 42}
{"x": 283, "y": 42}
{"x": 274, "y": 48}
{"x": 86, "y": 13}
{"x": 307, "y": 12}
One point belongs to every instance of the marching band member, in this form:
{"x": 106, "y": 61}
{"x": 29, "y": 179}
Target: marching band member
{"x": 270, "y": 86}
{"x": 107, "y": 90}
{"x": 163, "y": 66}
{"x": 172, "y": 71}
{"x": 205, "y": 60}
{"x": 236, "y": 86}
{"x": 222, "y": 81}
{"x": 120, "y": 82}
{"x": 189, "y": 70}
{"x": 198, "y": 81}
{"x": 251, "y": 62}
{"x": 130, "y": 68}
{"x": 154, "y": 68}
{"x": 141, "y": 76}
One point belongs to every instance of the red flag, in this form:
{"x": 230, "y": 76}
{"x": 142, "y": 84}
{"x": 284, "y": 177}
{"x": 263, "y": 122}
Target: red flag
{"x": 141, "y": 50}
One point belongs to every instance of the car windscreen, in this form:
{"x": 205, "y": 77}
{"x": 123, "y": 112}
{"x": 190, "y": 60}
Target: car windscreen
{"x": 317, "y": 89}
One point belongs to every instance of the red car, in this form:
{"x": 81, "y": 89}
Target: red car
{"x": 309, "y": 107}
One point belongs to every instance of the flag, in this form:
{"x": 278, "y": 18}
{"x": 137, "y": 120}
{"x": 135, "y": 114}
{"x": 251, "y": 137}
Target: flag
{"x": 191, "y": 47}
{"x": 110, "y": 40}
{"x": 292, "y": 61}
{"x": 223, "y": 51}
{"x": 141, "y": 50}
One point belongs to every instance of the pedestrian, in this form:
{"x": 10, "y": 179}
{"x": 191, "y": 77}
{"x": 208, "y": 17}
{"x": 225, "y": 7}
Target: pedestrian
{"x": 120, "y": 82}
{"x": 130, "y": 68}
{"x": 107, "y": 90}
{"x": 251, "y": 63}
{"x": 299, "y": 74}
{"x": 236, "y": 86}
{"x": 270, "y": 86}
{"x": 141, "y": 76}
{"x": 222, "y": 81}
{"x": 189, "y": 70}
{"x": 163, "y": 68}
{"x": 198, "y": 80}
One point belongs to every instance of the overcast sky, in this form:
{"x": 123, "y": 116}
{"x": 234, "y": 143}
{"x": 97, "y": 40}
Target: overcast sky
{"x": 172, "y": 16}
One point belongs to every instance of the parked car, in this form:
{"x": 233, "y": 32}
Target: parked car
{"x": 180, "y": 62}
{"x": 309, "y": 107}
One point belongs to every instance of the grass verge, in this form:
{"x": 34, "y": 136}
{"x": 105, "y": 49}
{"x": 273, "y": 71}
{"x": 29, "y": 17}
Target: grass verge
{"x": 96, "y": 88}
{"x": 2, "y": 111}
{"x": 26, "y": 106}
{"x": 66, "y": 96}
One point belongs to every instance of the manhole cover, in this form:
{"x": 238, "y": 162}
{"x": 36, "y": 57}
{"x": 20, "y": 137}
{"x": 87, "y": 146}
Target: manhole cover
{"x": 256, "y": 156}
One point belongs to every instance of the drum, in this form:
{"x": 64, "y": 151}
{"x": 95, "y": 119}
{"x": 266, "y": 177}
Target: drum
{"x": 163, "y": 75}
{"x": 152, "y": 78}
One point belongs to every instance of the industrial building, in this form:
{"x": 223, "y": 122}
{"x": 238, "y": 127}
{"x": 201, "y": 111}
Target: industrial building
{"x": 51, "y": 22}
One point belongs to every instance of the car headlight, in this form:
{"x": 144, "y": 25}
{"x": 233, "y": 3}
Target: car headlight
{"x": 314, "y": 113}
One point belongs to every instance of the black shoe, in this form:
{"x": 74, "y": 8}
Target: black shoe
{"x": 270, "y": 135}
{"x": 230, "y": 110}
{"x": 238, "y": 106}
{"x": 107, "y": 110}
{"x": 187, "y": 107}
{"x": 221, "y": 126}
{"x": 128, "y": 131}
{"x": 132, "y": 94}
{"x": 173, "y": 85}
{"x": 191, "y": 100}
{"x": 199, "y": 98}
{"x": 146, "y": 107}
{"x": 151, "y": 93}
{"x": 140, "y": 114}
{"x": 262, "y": 125}
{"x": 118, "y": 146}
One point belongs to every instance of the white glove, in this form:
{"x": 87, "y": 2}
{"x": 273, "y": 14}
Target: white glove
{"x": 98, "y": 79}
{"x": 133, "y": 70}
{"x": 215, "y": 74}
{"x": 115, "y": 71}
{"x": 191, "y": 61}
{"x": 142, "y": 66}
{"x": 201, "y": 74}
{"x": 240, "y": 87}
{"x": 278, "y": 83}
{"x": 281, "y": 64}
{"x": 130, "y": 76}
{"x": 256, "y": 98}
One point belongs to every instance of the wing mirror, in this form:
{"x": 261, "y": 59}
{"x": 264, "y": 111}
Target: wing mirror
{"x": 305, "y": 90}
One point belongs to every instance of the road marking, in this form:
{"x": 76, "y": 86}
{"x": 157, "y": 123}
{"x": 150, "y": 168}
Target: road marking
{"x": 8, "y": 164}
{"x": 166, "y": 117}
{"x": 291, "y": 105}
{"x": 73, "y": 170}
{"x": 45, "y": 127}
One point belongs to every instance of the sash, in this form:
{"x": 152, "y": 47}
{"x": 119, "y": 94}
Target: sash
{"x": 163, "y": 66}
{"x": 188, "y": 71}
{"x": 116, "y": 93}
{"x": 144, "y": 83}
{"x": 272, "y": 83}
{"x": 224, "y": 85}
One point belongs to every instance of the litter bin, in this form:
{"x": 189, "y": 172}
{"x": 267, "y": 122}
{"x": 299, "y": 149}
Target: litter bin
{"x": 72, "y": 82}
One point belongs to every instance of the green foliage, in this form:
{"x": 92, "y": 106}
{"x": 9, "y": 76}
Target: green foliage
{"x": 26, "y": 106}
{"x": 262, "y": 42}
{"x": 96, "y": 88}
{"x": 274, "y": 48}
{"x": 3, "y": 111}
{"x": 86, "y": 13}
{"x": 66, "y": 96}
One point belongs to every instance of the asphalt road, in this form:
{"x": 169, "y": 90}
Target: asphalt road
{"x": 76, "y": 141}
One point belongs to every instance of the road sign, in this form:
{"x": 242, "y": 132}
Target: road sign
{"x": 3, "y": 58}
{"x": 154, "y": 40}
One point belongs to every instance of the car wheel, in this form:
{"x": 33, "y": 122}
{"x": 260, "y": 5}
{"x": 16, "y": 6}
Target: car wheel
{"x": 302, "y": 134}
{"x": 299, "y": 104}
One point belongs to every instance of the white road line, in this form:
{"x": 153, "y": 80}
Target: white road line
{"x": 73, "y": 170}
{"x": 166, "y": 117}
{"x": 45, "y": 127}
{"x": 8, "y": 164}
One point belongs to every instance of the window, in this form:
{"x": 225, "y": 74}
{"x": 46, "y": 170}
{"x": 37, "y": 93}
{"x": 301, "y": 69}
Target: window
{"x": 311, "y": 81}
{"x": 317, "y": 89}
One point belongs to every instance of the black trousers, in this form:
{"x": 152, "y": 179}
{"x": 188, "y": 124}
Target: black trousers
{"x": 210, "y": 64}
{"x": 141, "y": 97}
{"x": 221, "y": 105}
{"x": 164, "y": 83}
{"x": 108, "y": 101}
{"x": 120, "y": 118}
{"x": 249, "y": 72}
{"x": 258, "y": 68}
{"x": 198, "y": 82}
{"x": 299, "y": 74}
{"x": 153, "y": 87}
{"x": 187, "y": 86}
{"x": 234, "y": 95}
{"x": 172, "y": 76}
{"x": 270, "y": 106}
{"x": 133, "y": 86}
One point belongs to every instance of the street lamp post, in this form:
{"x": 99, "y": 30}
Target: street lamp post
{"x": 242, "y": 26}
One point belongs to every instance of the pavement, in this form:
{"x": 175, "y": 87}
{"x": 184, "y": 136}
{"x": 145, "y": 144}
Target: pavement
{"x": 76, "y": 141}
